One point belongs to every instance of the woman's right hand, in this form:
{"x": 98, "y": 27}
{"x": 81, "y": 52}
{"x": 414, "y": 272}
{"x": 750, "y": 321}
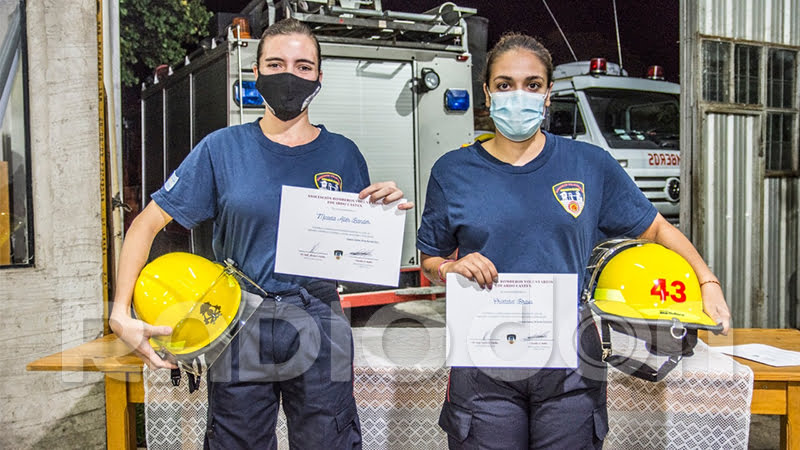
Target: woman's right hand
{"x": 136, "y": 334}
{"x": 475, "y": 267}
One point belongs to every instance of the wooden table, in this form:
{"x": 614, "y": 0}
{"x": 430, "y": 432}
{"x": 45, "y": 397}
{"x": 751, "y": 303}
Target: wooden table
{"x": 123, "y": 376}
{"x": 776, "y": 390}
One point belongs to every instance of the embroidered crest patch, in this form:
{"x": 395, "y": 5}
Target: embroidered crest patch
{"x": 328, "y": 180}
{"x": 571, "y": 196}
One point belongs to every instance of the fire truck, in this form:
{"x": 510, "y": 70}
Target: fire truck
{"x": 635, "y": 119}
{"x": 398, "y": 84}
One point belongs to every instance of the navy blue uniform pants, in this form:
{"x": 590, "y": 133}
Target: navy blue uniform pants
{"x": 296, "y": 348}
{"x": 530, "y": 408}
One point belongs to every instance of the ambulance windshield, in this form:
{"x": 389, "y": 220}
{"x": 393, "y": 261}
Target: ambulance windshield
{"x": 636, "y": 119}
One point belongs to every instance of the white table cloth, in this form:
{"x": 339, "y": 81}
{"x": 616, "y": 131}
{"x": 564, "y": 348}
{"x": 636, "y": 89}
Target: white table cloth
{"x": 400, "y": 382}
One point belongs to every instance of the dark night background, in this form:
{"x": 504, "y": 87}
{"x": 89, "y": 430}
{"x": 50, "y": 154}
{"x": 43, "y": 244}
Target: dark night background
{"x": 648, "y": 33}
{"x": 648, "y": 28}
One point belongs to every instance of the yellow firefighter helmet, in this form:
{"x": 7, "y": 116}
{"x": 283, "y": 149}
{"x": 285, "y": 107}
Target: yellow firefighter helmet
{"x": 646, "y": 281}
{"x": 645, "y": 290}
{"x": 198, "y": 298}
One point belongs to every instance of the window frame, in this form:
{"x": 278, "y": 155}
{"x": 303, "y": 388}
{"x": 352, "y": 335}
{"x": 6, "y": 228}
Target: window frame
{"x": 793, "y": 111}
{"x": 777, "y": 173}
{"x": 726, "y": 77}
{"x": 761, "y": 107}
{"x": 760, "y": 88}
{"x": 29, "y": 224}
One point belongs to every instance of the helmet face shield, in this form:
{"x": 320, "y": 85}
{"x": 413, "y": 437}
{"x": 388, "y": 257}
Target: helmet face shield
{"x": 647, "y": 291}
{"x": 202, "y": 301}
{"x": 209, "y": 317}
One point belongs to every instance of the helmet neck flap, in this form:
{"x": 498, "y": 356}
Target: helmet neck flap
{"x": 673, "y": 343}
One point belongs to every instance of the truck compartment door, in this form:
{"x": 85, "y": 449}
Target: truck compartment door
{"x": 370, "y": 102}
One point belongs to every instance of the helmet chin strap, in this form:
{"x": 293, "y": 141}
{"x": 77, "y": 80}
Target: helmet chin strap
{"x": 193, "y": 369}
{"x": 632, "y": 366}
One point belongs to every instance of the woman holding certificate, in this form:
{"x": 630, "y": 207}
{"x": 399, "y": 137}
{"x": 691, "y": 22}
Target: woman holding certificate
{"x": 541, "y": 203}
{"x": 234, "y": 176}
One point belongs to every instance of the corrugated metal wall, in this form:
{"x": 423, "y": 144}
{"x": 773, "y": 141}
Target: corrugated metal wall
{"x": 781, "y": 242}
{"x": 776, "y": 21}
{"x": 728, "y": 203}
{"x": 747, "y": 226}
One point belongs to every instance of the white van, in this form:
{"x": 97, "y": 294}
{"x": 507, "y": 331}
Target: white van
{"x": 634, "y": 119}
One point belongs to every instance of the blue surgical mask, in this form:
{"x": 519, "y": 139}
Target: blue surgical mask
{"x": 517, "y": 114}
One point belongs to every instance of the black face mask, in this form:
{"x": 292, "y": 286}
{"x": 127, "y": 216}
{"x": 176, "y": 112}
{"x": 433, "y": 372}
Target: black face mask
{"x": 286, "y": 94}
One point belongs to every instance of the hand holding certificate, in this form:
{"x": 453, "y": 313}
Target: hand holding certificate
{"x": 525, "y": 320}
{"x": 336, "y": 235}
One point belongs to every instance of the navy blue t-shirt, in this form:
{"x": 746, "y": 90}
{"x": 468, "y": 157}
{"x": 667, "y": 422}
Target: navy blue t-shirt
{"x": 543, "y": 217}
{"x": 234, "y": 175}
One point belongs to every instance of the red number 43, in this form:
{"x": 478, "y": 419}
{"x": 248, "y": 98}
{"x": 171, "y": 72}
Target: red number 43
{"x": 660, "y": 289}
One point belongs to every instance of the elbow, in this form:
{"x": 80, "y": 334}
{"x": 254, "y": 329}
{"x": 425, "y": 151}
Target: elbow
{"x": 149, "y": 222}
{"x": 656, "y": 229}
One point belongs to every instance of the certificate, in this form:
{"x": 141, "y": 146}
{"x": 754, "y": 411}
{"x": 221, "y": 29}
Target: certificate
{"x": 336, "y": 235}
{"x": 762, "y": 353}
{"x": 524, "y": 321}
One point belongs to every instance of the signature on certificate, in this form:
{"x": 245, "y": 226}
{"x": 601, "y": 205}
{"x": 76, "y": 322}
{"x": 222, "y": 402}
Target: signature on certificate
{"x": 539, "y": 335}
{"x": 313, "y": 249}
{"x": 361, "y": 252}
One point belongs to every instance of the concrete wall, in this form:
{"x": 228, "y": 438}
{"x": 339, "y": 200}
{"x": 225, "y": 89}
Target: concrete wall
{"x": 58, "y": 303}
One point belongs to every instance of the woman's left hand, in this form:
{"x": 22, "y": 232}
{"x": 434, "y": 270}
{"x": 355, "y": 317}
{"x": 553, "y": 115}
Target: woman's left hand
{"x": 385, "y": 192}
{"x": 714, "y": 305}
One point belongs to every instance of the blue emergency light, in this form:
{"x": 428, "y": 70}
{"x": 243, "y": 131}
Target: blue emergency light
{"x": 252, "y": 99}
{"x": 456, "y": 100}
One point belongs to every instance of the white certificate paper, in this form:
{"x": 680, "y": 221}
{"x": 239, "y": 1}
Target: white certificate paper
{"x": 336, "y": 235}
{"x": 524, "y": 321}
{"x": 761, "y": 353}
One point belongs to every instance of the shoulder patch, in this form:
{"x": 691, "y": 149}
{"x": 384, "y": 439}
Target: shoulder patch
{"x": 171, "y": 182}
{"x": 571, "y": 196}
{"x": 328, "y": 180}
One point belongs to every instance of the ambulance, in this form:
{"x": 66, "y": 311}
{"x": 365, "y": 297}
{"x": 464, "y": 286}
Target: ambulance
{"x": 636, "y": 120}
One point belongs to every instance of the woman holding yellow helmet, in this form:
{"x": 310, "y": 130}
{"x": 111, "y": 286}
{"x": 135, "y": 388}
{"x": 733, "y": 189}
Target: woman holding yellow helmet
{"x": 542, "y": 203}
{"x": 234, "y": 176}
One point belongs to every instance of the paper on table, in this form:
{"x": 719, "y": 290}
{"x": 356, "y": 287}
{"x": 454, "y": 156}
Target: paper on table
{"x": 761, "y": 353}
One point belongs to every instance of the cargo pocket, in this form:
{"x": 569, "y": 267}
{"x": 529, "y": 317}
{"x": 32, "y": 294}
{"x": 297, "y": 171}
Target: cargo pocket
{"x": 455, "y": 421}
{"x": 346, "y": 417}
{"x": 348, "y": 428}
{"x": 600, "y": 422}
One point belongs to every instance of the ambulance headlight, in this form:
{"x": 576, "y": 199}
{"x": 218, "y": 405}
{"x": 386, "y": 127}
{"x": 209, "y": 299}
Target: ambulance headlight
{"x": 673, "y": 189}
{"x": 430, "y": 79}
{"x": 456, "y": 100}
{"x": 251, "y": 97}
